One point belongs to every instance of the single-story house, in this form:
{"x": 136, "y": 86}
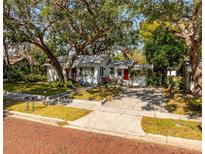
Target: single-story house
{"x": 93, "y": 69}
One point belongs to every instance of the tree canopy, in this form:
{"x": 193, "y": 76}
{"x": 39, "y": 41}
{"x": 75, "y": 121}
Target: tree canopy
{"x": 164, "y": 50}
{"x": 137, "y": 56}
{"x": 186, "y": 18}
{"x": 65, "y": 27}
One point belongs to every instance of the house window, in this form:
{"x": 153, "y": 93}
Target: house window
{"x": 81, "y": 71}
{"x": 101, "y": 71}
{"x": 92, "y": 70}
{"x": 111, "y": 71}
{"x": 86, "y": 71}
{"x": 119, "y": 72}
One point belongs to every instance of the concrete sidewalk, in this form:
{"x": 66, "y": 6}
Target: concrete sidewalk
{"x": 134, "y": 112}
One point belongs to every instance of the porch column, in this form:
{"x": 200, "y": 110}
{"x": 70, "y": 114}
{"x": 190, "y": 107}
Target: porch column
{"x": 96, "y": 74}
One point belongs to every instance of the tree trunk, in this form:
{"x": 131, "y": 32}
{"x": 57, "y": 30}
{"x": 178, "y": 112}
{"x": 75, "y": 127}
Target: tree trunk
{"x": 196, "y": 69}
{"x": 6, "y": 53}
{"x": 68, "y": 66}
{"x": 54, "y": 62}
{"x": 164, "y": 76}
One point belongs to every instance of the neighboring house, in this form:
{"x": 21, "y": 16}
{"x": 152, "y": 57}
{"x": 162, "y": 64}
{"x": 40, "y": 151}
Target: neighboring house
{"x": 186, "y": 73}
{"x": 93, "y": 69}
{"x": 173, "y": 71}
{"x": 19, "y": 61}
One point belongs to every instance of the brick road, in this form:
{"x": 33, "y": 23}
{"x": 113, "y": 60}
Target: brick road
{"x": 26, "y": 137}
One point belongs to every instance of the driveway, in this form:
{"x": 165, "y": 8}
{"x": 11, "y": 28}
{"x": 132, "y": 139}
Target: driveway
{"x": 149, "y": 99}
{"x": 113, "y": 122}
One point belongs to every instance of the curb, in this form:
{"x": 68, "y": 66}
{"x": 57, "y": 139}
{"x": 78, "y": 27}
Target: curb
{"x": 160, "y": 139}
{"x": 57, "y": 98}
{"x": 38, "y": 97}
{"x": 165, "y": 140}
{"x": 37, "y": 118}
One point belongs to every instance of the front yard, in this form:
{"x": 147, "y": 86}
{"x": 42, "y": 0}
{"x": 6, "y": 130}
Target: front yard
{"x": 170, "y": 127}
{"x": 96, "y": 94}
{"x": 181, "y": 103}
{"x": 38, "y": 88}
{"x": 61, "y": 112}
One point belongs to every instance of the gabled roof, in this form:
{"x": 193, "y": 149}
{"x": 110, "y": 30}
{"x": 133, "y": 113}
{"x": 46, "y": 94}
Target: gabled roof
{"x": 128, "y": 63}
{"x": 90, "y": 59}
{"x": 143, "y": 67}
{"x": 15, "y": 60}
{"x": 121, "y": 63}
{"x": 98, "y": 59}
{"x": 86, "y": 59}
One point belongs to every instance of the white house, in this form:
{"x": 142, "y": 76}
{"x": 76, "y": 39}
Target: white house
{"x": 93, "y": 69}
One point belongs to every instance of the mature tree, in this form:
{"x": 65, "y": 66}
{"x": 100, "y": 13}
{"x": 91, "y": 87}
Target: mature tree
{"x": 91, "y": 27}
{"x": 137, "y": 56}
{"x": 22, "y": 20}
{"x": 186, "y": 17}
{"x": 67, "y": 28}
{"x": 163, "y": 50}
{"x": 6, "y": 54}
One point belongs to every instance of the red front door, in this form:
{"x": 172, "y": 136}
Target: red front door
{"x": 126, "y": 74}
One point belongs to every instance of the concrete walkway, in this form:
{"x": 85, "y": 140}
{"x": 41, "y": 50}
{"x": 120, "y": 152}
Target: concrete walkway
{"x": 134, "y": 112}
{"x": 113, "y": 122}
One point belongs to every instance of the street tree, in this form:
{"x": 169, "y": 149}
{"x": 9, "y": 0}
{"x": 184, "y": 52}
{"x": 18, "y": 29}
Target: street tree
{"x": 164, "y": 50}
{"x": 186, "y": 18}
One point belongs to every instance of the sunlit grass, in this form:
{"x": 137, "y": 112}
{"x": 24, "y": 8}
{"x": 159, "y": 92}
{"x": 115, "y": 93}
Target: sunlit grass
{"x": 182, "y": 103}
{"x": 53, "y": 111}
{"x": 170, "y": 127}
{"x": 96, "y": 94}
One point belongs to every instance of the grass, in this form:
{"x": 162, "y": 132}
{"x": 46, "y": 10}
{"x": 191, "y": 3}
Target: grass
{"x": 61, "y": 112}
{"x": 170, "y": 127}
{"x": 96, "y": 94}
{"x": 39, "y": 88}
{"x": 63, "y": 123}
{"x": 181, "y": 103}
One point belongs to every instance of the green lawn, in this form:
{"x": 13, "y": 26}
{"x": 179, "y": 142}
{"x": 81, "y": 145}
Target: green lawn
{"x": 181, "y": 103}
{"x": 96, "y": 94}
{"x": 39, "y": 88}
{"x": 61, "y": 112}
{"x": 170, "y": 127}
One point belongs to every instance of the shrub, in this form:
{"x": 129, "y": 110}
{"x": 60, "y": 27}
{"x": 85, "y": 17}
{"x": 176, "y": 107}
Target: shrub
{"x": 195, "y": 104}
{"x": 15, "y": 74}
{"x": 177, "y": 82}
{"x": 154, "y": 80}
{"x": 106, "y": 79}
{"x": 170, "y": 83}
